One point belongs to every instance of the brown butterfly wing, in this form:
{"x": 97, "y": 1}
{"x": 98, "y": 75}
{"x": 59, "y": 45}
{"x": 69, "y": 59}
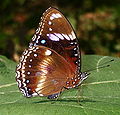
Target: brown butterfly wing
{"x": 42, "y": 71}
{"x": 55, "y": 32}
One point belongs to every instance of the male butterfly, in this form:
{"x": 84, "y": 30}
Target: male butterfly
{"x": 51, "y": 64}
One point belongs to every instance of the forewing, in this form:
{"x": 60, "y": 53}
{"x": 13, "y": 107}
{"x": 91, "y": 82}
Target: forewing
{"x": 55, "y": 32}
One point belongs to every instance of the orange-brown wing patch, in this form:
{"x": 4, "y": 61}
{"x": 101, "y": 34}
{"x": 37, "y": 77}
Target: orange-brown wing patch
{"x": 42, "y": 71}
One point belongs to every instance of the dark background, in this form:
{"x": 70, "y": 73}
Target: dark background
{"x": 96, "y": 22}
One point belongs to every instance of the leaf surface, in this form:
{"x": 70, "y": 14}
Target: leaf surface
{"x": 98, "y": 94}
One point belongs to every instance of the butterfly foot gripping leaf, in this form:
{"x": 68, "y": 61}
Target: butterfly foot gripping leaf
{"x": 51, "y": 64}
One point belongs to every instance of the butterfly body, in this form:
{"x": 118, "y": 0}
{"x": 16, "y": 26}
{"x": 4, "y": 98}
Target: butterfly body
{"x": 51, "y": 64}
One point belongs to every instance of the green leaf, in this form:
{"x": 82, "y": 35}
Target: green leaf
{"x": 99, "y": 94}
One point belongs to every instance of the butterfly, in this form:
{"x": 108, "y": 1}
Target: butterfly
{"x": 52, "y": 63}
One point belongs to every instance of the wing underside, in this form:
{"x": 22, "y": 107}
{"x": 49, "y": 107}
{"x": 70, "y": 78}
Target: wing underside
{"x": 47, "y": 74}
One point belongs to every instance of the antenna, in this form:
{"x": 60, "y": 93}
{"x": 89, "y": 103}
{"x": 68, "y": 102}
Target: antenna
{"x": 106, "y": 62}
{"x": 101, "y": 66}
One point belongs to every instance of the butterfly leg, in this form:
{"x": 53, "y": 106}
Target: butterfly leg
{"x": 76, "y": 87}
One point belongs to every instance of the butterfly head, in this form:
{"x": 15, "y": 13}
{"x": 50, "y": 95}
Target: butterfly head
{"x": 83, "y": 76}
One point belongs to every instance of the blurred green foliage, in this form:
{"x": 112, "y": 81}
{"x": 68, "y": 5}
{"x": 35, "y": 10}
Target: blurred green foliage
{"x": 96, "y": 22}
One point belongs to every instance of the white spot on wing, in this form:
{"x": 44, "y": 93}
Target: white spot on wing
{"x": 76, "y": 54}
{"x": 73, "y": 83}
{"x": 23, "y": 71}
{"x": 37, "y": 39}
{"x": 53, "y": 16}
{"x": 41, "y": 95}
{"x": 23, "y": 67}
{"x": 34, "y": 37}
{"x": 75, "y": 79}
{"x": 43, "y": 41}
{"x": 53, "y": 37}
{"x": 50, "y": 29}
{"x": 25, "y": 52}
{"x": 30, "y": 60}
{"x": 34, "y": 94}
{"x": 66, "y": 36}
{"x": 58, "y": 15}
{"x": 19, "y": 66}
{"x": 17, "y": 74}
{"x": 27, "y": 81}
{"x": 37, "y": 89}
{"x": 30, "y": 45}
{"x": 19, "y": 83}
{"x": 28, "y": 73}
{"x": 35, "y": 55}
{"x": 75, "y": 49}
{"x": 48, "y": 52}
{"x": 73, "y": 35}
{"x": 59, "y": 36}
{"x": 38, "y": 30}
{"x": 49, "y": 22}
